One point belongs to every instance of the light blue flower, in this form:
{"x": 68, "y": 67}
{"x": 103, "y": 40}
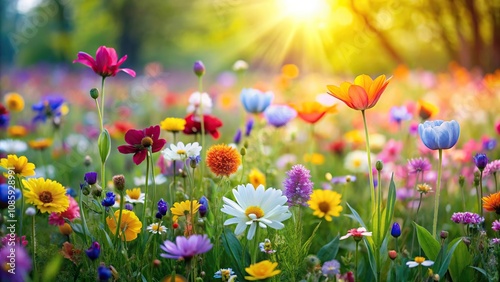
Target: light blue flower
{"x": 255, "y": 101}
{"x": 279, "y": 115}
{"x": 439, "y": 134}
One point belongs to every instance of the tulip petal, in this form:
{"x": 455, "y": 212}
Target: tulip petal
{"x": 376, "y": 89}
{"x": 358, "y": 97}
{"x": 85, "y": 59}
{"x": 128, "y": 71}
{"x": 364, "y": 81}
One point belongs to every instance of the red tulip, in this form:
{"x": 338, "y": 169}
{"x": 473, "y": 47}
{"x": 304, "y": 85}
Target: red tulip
{"x": 106, "y": 62}
{"x": 211, "y": 124}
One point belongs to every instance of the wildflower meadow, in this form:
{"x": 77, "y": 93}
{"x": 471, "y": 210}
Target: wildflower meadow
{"x": 189, "y": 170}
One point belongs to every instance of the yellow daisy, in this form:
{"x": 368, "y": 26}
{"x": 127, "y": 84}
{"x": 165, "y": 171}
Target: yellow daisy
{"x": 40, "y": 144}
{"x": 314, "y": 158}
{"x": 19, "y": 165}
{"x": 256, "y": 178}
{"x": 173, "y": 124}
{"x": 46, "y": 195}
{"x": 135, "y": 196}
{"x": 325, "y": 203}
{"x": 130, "y": 225}
{"x": 14, "y": 102}
{"x": 17, "y": 131}
{"x": 262, "y": 270}
{"x": 184, "y": 208}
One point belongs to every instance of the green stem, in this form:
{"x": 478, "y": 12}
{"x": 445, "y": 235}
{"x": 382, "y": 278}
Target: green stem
{"x": 145, "y": 195}
{"x": 255, "y": 245}
{"x": 370, "y": 172}
{"x": 101, "y": 126}
{"x": 416, "y": 215}
{"x": 20, "y": 185}
{"x": 82, "y": 213}
{"x": 33, "y": 238}
{"x": 122, "y": 204}
{"x": 202, "y": 121}
{"x": 154, "y": 185}
{"x": 174, "y": 184}
{"x": 101, "y": 117}
{"x": 356, "y": 262}
{"x": 481, "y": 191}
{"x": 438, "y": 191}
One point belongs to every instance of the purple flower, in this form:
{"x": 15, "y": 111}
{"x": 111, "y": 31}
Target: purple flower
{"x": 103, "y": 272}
{"x": 162, "y": 209}
{"x": 495, "y": 225}
{"x": 186, "y": 248}
{"x": 14, "y": 272}
{"x": 203, "y": 209}
{"x": 343, "y": 179}
{"x": 48, "y": 107}
{"x": 109, "y": 200}
{"x": 199, "y": 68}
{"x": 279, "y": 115}
{"x": 331, "y": 268}
{"x": 467, "y": 218}
{"x": 90, "y": 177}
{"x": 129, "y": 206}
{"x": 249, "y": 127}
{"x": 298, "y": 186}
{"x": 495, "y": 241}
{"x": 94, "y": 251}
{"x": 480, "y": 160}
{"x": 399, "y": 114}
{"x": 491, "y": 168}
{"x": 489, "y": 144}
{"x": 237, "y": 137}
{"x": 418, "y": 165}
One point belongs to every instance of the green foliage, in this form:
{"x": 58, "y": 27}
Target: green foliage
{"x": 238, "y": 257}
{"x": 52, "y": 268}
{"x": 428, "y": 243}
{"x": 330, "y": 250}
{"x": 459, "y": 263}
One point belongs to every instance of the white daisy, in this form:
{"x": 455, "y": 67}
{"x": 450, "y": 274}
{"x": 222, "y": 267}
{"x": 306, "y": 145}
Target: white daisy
{"x": 13, "y": 146}
{"x": 419, "y": 261}
{"x": 262, "y": 207}
{"x": 181, "y": 151}
{"x": 356, "y": 161}
{"x": 135, "y": 196}
{"x": 141, "y": 180}
{"x": 157, "y": 228}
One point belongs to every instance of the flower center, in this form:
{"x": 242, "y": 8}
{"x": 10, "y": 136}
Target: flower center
{"x": 324, "y": 207}
{"x": 134, "y": 193}
{"x": 257, "y": 211}
{"x": 357, "y": 163}
{"x": 45, "y": 197}
{"x": 419, "y": 260}
{"x": 156, "y": 227}
{"x": 181, "y": 152}
{"x": 146, "y": 142}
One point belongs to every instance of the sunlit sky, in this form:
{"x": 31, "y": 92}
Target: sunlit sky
{"x": 24, "y": 6}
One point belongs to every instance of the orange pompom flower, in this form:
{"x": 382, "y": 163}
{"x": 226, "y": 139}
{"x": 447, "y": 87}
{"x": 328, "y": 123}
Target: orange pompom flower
{"x": 223, "y": 160}
{"x": 492, "y": 202}
{"x": 362, "y": 94}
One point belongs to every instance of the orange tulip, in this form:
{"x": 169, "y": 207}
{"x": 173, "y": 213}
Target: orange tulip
{"x": 312, "y": 111}
{"x": 362, "y": 94}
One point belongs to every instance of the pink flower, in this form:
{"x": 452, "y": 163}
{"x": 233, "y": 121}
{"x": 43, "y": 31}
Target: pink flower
{"x": 391, "y": 151}
{"x": 71, "y": 213}
{"x": 106, "y": 62}
{"x": 356, "y": 233}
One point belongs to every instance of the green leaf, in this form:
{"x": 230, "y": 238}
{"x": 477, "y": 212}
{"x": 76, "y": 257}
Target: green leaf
{"x": 427, "y": 242}
{"x": 104, "y": 144}
{"x": 459, "y": 260}
{"x": 447, "y": 259}
{"x": 355, "y": 216}
{"x": 330, "y": 250}
{"x": 307, "y": 244}
{"x": 238, "y": 257}
{"x": 389, "y": 210}
{"x": 371, "y": 256}
{"x": 52, "y": 268}
{"x": 482, "y": 271}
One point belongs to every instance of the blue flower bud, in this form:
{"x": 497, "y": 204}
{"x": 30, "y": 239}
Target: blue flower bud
{"x": 94, "y": 251}
{"x": 396, "y": 230}
{"x": 480, "y": 160}
{"x": 90, "y": 177}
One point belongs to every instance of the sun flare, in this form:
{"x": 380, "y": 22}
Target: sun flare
{"x": 304, "y": 10}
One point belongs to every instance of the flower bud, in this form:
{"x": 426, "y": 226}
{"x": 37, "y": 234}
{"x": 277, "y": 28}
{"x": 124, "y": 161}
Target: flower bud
{"x": 65, "y": 229}
{"x": 379, "y": 165}
{"x": 199, "y": 68}
{"x": 396, "y": 230}
{"x": 466, "y": 241}
{"x": 480, "y": 160}
{"x": 94, "y": 93}
{"x": 443, "y": 234}
{"x": 97, "y": 191}
{"x": 156, "y": 263}
{"x": 90, "y": 177}
{"x": 119, "y": 182}
{"x": 312, "y": 262}
{"x": 243, "y": 151}
{"x": 31, "y": 211}
{"x": 87, "y": 161}
{"x": 393, "y": 254}
{"x": 129, "y": 206}
{"x": 461, "y": 180}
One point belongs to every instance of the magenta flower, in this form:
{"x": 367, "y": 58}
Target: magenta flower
{"x": 495, "y": 225}
{"x": 298, "y": 186}
{"x": 106, "y": 62}
{"x": 186, "y": 248}
{"x": 418, "y": 165}
{"x": 467, "y": 218}
{"x": 139, "y": 141}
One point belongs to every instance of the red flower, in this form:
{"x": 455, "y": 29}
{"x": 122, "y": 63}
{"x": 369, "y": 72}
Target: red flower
{"x": 211, "y": 124}
{"x": 106, "y": 62}
{"x": 139, "y": 142}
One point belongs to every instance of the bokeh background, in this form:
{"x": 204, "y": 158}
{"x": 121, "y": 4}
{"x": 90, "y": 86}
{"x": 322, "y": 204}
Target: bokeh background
{"x": 331, "y": 36}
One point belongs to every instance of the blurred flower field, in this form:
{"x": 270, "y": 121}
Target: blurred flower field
{"x": 114, "y": 174}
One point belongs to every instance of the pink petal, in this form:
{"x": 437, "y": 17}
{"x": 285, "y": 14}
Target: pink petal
{"x": 134, "y": 136}
{"x": 118, "y": 64}
{"x": 128, "y": 71}
{"x": 85, "y": 59}
{"x": 127, "y": 149}
{"x": 158, "y": 145}
{"x": 103, "y": 60}
{"x": 139, "y": 157}
{"x": 112, "y": 56}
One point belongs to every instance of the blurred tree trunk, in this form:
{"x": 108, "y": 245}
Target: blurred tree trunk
{"x": 127, "y": 14}
{"x": 63, "y": 31}
{"x": 494, "y": 10}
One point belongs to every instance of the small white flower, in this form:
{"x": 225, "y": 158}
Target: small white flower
{"x": 181, "y": 151}
{"x": 157, "y": 228}
{"x": 198, "y": 101}
{"x": 141, "y": 180}
{"x": 356, "y": 161}
{"x": 31, "y": 211}
{"x": 419, "y": 261}
{"x": 240, "y": 65}
{"x": 256, "y": 207}
{"x": 13, "y": 146}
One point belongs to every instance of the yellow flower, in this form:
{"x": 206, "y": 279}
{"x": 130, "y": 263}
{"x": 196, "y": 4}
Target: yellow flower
{"x": 135, "y": 196}
{"x": 46, "y": 195}
{"x": 14, "y": 102}
{"x": 355, "y": 137}
{"x": 184, "y": 208}
{"x": 262, "y": 270}
{"x": 130, "y": 225}
{"x": 315, "y": 158}
{"x": 325, "y": 203}
{"x": 17, "y": 131}
{"x": 173, "y": 124}
{"x": 19, "y": 165}
{"x": 427, "y": 110}
{"x": 65, "y": 229}
{"x": 40, "y": 144}
{"x": 256, "y": 178}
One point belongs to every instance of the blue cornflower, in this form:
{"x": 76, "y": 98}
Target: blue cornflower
{"x": 109, "y": 200}
{"x": 48, "y": 107}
